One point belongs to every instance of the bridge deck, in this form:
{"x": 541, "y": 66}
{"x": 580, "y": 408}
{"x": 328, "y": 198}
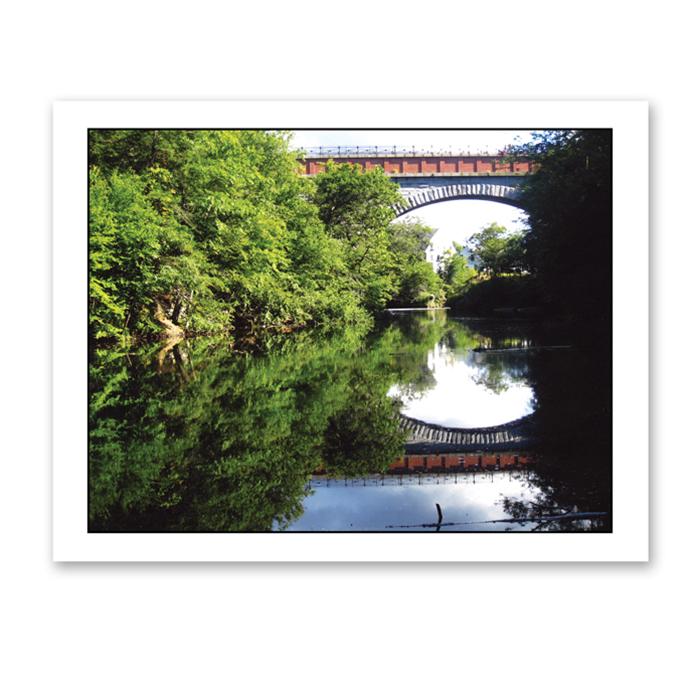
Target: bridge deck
{"x": 423, "y": 164}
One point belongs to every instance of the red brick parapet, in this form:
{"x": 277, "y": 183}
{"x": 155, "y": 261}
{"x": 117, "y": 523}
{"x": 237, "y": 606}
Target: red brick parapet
{"x": 427, "y": 165}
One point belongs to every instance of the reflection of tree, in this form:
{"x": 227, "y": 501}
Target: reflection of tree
{"x": 460, "y": 338}
{"x": 363, "y": 437}
{"x": 494, "y": 378}
{"x": 412, "y": 337}
{"x": 202, "y": 436}
{"x": 422, "y": 380}
{"x": 498, "y": 372}
{"x": 548, "y": 516}
{"x": 573, "y": 431}
{"x": 408, "y": 340}
{"x": 230, "y": 444}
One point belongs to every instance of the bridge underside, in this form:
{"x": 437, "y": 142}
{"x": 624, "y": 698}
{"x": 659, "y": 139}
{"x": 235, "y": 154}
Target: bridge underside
{"x": 425, "y": 438}
{"x": 431, "y": 191}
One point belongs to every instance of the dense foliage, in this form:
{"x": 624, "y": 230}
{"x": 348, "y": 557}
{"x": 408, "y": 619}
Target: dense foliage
{"x": 419, "y": 285}
{"x": 569, "y": 203}
{"x": 356, "y": 208}
{"x": 214, "y": 231}
{"x": 197, "y": 437}
{"x": 495, "y": 251}
{"x": 566, "y": 250}
{"x": 455, "y": 271}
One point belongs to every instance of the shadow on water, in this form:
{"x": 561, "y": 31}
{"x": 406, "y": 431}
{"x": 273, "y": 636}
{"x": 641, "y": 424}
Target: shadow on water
{"x": 200, "y": 436}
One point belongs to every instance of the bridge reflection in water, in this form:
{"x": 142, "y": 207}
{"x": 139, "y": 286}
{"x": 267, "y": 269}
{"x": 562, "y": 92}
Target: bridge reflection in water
{"x": 428, "y": 437}
{"x": 419, "y": 501}
{"x": 450, "y": 464}
{"x": 461, "y": 462}
{"x": 398, "y": 477}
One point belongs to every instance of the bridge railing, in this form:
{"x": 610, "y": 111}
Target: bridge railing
{"x": 396, "y": 152}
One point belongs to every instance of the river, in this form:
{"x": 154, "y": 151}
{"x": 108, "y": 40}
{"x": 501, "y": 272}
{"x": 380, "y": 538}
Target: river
{"x": 430, "y": 422}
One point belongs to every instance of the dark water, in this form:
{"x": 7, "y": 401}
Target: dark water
{"x": 304, "y": 433}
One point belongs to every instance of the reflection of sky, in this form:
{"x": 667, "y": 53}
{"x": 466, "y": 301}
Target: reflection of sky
{"x": 458, "y": 401}
{"x": 474, "y": 498}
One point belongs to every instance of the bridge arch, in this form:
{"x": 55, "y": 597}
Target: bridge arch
{"x": 506, "y": 435}
{"x": 417, "y": 197}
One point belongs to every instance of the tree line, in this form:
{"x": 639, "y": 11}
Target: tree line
{"x": 562, "y": 262}
{"x": 196, "y": 232}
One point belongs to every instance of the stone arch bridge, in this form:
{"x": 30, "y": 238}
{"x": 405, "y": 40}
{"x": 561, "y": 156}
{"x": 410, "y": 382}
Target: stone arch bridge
{"x": 428, "y": 178}
{"x": 431, "y": 177}
{"x": 418, "y": 195}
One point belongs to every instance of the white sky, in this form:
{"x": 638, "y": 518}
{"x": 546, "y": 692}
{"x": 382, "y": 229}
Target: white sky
{"x": 456, "y": 220}
{"x": 464, "y": 139}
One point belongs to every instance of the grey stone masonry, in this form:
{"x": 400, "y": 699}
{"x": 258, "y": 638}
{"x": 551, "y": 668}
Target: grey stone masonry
{"x": 416, "y": 197}
{"x": 490, "y": 438}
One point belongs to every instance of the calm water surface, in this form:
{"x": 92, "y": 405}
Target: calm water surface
{"x": 471, "y": 387}
{"x": 299, "y": 435}
{"x": 469, "y": 502}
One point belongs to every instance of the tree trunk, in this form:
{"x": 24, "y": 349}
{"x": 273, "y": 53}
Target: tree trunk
{"x": 169, "y": 329}
{"x": 177, "y": 310}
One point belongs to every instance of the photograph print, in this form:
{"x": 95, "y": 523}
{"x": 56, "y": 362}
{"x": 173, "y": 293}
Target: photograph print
{"x": 347, "y": 331}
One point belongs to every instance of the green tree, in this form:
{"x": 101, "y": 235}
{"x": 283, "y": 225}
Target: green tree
{"x": 569, "y": 203}
{"x": 209, "y": 231}
{"x": 418, "y": 283}
{"x": 496, "y": 251}
{"x": 217, "y": 231}
{"x": 410, "y": 239}
{"x": 455, "y": 271}
{"x": 141, "y": 257}
{"x": 356, "y": 208}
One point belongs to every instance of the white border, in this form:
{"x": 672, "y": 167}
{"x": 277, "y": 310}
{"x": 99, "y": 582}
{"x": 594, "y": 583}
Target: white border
{"x": 628, "y": 542}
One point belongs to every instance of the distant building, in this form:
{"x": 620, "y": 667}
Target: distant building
{"x": 432, "y": 256}
{"x": 471, "y": 258}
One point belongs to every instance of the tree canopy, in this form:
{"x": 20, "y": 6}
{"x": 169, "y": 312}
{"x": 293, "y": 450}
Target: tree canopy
{"x": 567, "y": 245}
{"x": 215, "y": 231}
{"x": 356, "y": 208}
{"x": 569, "y": 201}
{"x": 456, "y": 271}
{"x": 418, "y": 283}
{"x": 496, "y": 251}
